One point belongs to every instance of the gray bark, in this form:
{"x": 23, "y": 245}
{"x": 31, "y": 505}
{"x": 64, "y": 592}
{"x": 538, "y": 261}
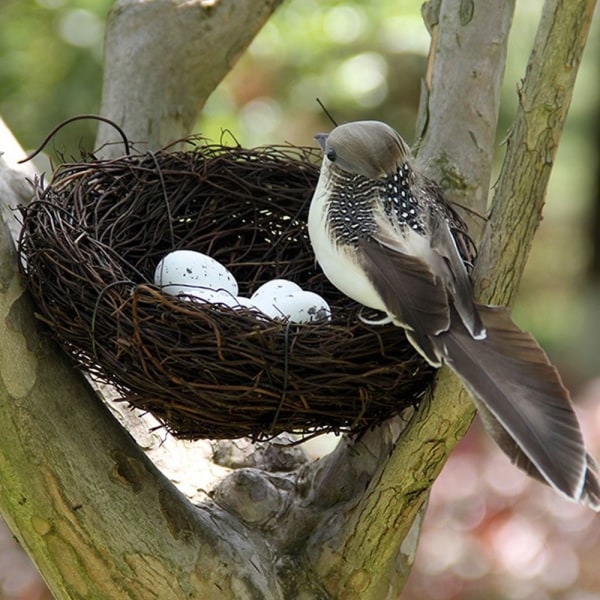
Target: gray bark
{"x": 456, "y": 138}
{"x": 163, "y": 59}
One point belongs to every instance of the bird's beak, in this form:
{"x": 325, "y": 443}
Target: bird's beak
{"x": 322, "y": 140}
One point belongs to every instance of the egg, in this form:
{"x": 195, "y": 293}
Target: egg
{"x": 224, "y": 298}
{"x": 246, "y": 303}
{"x": 208, "y": 296}
{"x": 297, "y": 306}
{"x": 187, "y": 270}
{"x": 194, "y": 276}
{"x": 199, "y": 294}
{"x": 274, "y": 289}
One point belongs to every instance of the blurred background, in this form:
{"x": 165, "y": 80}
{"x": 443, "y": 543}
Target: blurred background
{"x": 490, "y": 532}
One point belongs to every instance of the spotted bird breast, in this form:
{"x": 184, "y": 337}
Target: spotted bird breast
{"x": 339, "y": 217}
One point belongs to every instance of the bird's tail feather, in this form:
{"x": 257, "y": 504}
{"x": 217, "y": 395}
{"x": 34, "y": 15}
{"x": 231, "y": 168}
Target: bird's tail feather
{"x": 523, "y": 402}
{"x": 591, "y": 489}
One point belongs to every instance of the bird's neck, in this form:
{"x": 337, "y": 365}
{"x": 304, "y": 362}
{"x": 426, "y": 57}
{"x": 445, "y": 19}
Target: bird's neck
{"x": 350, "y": 203}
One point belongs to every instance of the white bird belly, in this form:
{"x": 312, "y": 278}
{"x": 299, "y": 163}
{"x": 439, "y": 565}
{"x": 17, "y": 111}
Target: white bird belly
{"x": 347, "y": 276}
{"x": 339, "y": 262}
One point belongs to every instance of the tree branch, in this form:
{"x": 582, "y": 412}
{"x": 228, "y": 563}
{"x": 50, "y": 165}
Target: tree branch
{"x": 156, "y": 101}
{"x": 460, "y": 98}
{"x": 14, "y": 189}
{"x": 544, "y": 100}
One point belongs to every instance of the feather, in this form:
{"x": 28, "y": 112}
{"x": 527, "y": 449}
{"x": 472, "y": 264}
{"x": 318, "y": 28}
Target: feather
{"x": 510, "y": 376}
{"x": 456, "y": 277}
{"x": 387, "y": 148}
{"x": 410, "y": 291}
{"x": 519, "y": 394}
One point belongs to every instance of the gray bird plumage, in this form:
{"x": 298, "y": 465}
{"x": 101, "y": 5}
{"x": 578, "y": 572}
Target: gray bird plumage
{"x": 385, "y": 236}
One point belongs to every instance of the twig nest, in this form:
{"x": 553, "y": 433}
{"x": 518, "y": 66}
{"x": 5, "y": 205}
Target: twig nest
{"x": 92, "y": 241}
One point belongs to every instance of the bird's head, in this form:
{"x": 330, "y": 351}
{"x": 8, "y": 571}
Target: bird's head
{"x": 369, "y": 148}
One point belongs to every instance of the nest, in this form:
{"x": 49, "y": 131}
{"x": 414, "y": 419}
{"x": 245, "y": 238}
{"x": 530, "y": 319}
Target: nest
{"x": 92, "y": 238}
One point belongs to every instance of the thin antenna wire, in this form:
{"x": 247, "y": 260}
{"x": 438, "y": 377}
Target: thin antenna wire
{"x": 326, "y": 112}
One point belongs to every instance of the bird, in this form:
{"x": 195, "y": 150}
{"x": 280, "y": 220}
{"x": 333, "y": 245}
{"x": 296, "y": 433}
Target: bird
{"x": 386, "y": 236}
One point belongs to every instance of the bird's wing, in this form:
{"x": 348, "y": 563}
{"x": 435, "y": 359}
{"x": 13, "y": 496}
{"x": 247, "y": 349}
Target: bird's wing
{"x": 456, "y": 277}
{"x": 511, "y": 379}
{"x": 412, "y": 293}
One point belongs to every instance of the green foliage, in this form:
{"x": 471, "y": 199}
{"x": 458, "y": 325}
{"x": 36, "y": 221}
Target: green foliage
{"x": 360, "y": 59}
{"x": 51, "y": 67}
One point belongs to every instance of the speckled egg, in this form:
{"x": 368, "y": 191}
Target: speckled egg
{"x": 298, "y": 306}
{"x": 191, "y": 270}
{"x": 274, "y": 289}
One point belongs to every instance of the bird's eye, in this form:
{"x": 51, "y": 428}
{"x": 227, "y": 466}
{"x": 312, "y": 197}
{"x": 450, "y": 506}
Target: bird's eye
{"x": 331, "y": 154}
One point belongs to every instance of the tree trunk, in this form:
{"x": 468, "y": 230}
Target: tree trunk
{"x": 162, "y": 60}
{"x": 100, "y": 520}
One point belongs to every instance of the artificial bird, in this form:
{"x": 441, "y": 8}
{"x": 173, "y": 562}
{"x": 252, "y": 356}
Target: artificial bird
{"x": 385, "y": 235}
